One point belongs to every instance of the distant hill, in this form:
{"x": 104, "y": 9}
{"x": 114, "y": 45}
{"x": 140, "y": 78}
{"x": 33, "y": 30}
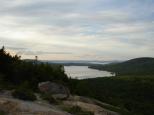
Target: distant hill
{"x": 77, "y": 62}
{"x": 137, "y": 66}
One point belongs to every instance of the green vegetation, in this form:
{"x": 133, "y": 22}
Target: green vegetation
{"x": 132, "y": 90}
{"x": 49, "y": 98}
{"x": 76, "y": 110}
{"x": 15, "y": 72}
{"x": 134, "y": 94}
{"x": 2, "y": 113}
{"x": 138, "y": 66}
{"x": 24, "y": 94}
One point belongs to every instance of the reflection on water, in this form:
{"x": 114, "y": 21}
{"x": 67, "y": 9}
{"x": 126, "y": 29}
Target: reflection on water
{"x": 83, "y": 72}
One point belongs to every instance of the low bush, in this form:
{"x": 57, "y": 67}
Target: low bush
{"x": 24, "y": 94}
{"x": 48, "y": 97}
{"x": 2, "y": 113}
{"x": 76, "y": 110}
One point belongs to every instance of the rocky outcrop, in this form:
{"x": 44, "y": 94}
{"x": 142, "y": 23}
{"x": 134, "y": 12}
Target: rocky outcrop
{"x": 88, "y": 104}
{"x": 18, "y": 107}
{"x": 58, "y": 91}
{"x": 14, "y": 106}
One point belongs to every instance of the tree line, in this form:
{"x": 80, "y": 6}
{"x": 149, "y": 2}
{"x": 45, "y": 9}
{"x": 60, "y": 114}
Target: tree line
{"x": 15, "y": 72}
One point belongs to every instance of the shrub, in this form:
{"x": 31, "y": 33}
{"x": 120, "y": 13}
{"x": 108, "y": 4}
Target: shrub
{"x": 76, "y": 110}
{"x": 2, "y": 113}
{"x": 49, "y": 98}
{"x": 24, "y": 94}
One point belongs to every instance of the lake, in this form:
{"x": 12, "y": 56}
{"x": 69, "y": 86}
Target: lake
{"x": 83, "y": 72}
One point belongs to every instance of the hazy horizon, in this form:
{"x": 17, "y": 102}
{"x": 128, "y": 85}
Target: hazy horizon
{"x": 78, "y": 29}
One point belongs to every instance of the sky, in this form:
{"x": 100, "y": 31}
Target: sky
{"x": 78, "y": 29}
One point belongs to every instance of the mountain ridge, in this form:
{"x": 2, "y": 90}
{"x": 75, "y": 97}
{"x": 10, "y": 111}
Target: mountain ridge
{"x": 142, "y": 65}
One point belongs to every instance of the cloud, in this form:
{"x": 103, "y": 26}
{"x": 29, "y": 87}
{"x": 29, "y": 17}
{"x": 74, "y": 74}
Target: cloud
{"x": 129, "y": 28}
{"x": 91, "y": 29}
{"x": 28, "y": 52}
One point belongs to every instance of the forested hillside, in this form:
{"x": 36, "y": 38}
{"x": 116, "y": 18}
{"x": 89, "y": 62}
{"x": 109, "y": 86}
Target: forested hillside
{"x": 134, "y": 94}
{"x": 138, "y": 66}
{"x": 131, "y": 89}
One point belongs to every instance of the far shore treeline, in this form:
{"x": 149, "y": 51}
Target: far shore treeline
{"x": 137, "y": 66}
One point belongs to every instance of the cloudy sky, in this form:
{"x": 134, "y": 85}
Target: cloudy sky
{"x": 78, "y": 29}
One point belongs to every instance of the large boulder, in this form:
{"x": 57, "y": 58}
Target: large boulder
{"x": 58, "y": 91}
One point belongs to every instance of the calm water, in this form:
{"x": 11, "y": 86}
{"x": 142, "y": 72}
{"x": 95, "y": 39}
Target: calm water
{"x": 83, "y": 72}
